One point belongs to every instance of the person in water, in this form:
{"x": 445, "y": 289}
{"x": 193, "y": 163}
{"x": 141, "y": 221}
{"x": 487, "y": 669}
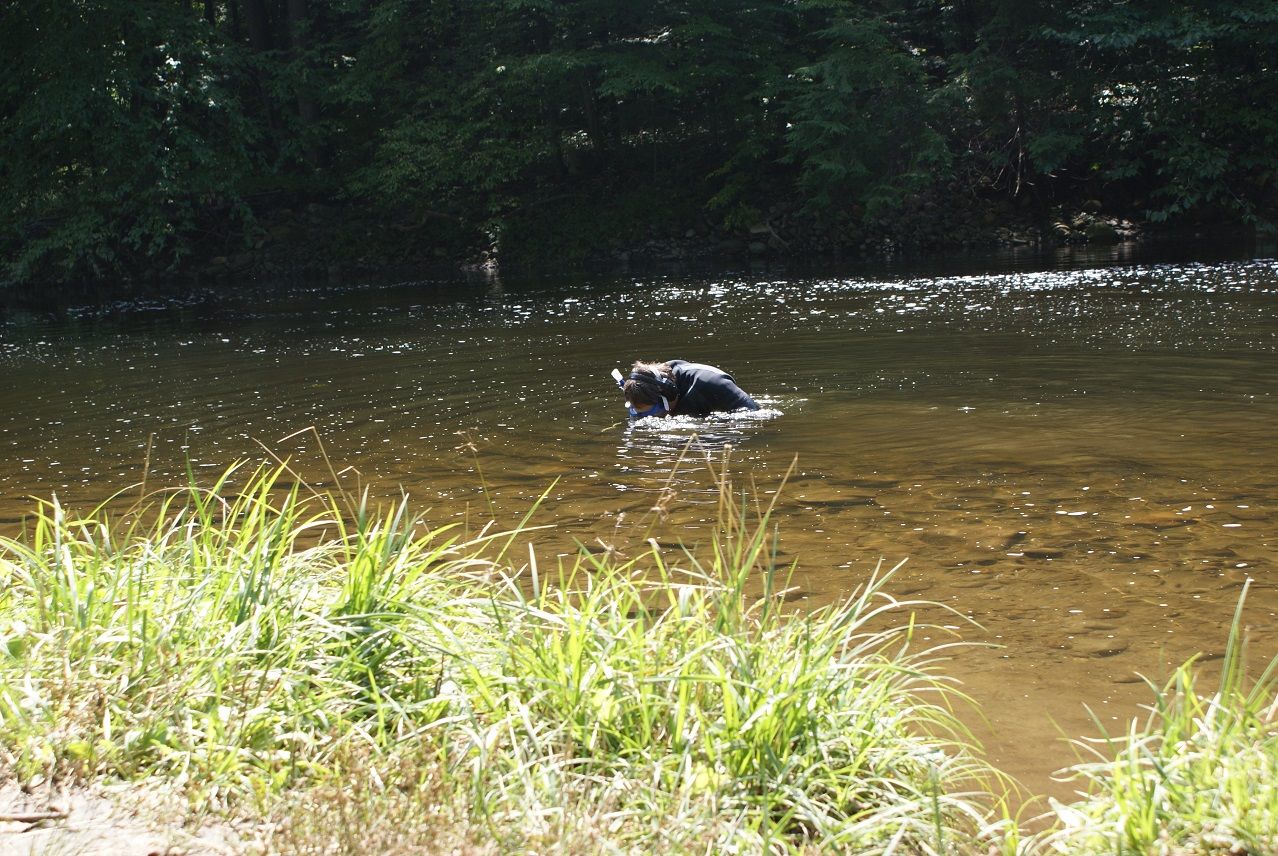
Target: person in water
{"x": 681, "y": 388}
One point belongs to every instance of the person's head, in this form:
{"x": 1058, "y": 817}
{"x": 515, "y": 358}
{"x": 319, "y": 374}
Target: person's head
{"x": 650, "y": 390}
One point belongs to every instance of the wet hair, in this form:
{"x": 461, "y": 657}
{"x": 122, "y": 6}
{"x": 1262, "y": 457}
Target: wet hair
{"x": 648, "y": 382}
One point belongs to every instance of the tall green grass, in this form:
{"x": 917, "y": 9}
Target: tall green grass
{"x": 1198, "y": 777}
{"x": 243, "y": 642}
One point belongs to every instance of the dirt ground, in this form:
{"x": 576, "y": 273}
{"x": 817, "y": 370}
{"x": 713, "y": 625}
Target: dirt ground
{"x": 100, "y": 821}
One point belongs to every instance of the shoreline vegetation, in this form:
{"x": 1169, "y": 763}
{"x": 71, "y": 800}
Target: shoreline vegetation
{"x": 306, "y": 671}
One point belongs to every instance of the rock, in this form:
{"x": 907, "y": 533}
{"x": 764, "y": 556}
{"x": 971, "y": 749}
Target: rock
{"x": 758, "y": 248}
{"x": 760, "y": 229}
{"x": 839, "y": 502}
{"x": 941, "y": 539}
{"x": 1161, "y": 520}
{"x": 1015, "y": 538}
{"x": 1101, "y": 232}
{"x": 1097, "y": 646}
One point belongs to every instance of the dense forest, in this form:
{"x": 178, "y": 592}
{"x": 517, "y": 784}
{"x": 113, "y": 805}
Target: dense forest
{"x": 148, "y": 137}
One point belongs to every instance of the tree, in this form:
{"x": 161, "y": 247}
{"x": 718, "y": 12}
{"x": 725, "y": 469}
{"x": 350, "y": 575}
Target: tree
{"x": 863, "y": 124}
{"x": 119, "y": 130}
{"x": 1182, "y": 102}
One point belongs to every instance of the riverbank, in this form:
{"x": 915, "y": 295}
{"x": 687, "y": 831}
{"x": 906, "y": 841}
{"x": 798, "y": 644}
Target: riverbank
{"x": 332, "y": 242}
{"x": 311, "y": 673}
{"x": 317, "y": 240}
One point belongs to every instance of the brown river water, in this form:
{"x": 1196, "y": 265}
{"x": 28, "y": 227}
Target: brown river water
{"x": 1078, "y": 452}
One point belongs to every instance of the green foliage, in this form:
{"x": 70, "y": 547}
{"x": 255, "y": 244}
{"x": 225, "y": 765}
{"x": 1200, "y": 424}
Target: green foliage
{"x": 119, "y": 132}
{"x": 139, "y": 134}
{"x": 1025, "y": 103}
{"x": 862, "y": 125}
{"x": 1183, "y": 101}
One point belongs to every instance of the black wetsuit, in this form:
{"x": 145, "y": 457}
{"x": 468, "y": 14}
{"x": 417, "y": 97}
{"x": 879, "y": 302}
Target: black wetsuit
{"x": 705, "y": 389}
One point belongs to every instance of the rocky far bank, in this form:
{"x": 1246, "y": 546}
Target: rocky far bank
{"x": 320, "y": 239}
{"x": 781, "y": 237}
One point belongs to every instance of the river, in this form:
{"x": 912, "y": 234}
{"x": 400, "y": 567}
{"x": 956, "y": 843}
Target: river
{"x": 1075, "y": 450}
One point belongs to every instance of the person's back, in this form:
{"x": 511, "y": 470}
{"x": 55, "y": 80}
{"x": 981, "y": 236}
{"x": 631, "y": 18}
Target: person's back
{"x": 681, "y": 388}
{"x": 705, "y": 389}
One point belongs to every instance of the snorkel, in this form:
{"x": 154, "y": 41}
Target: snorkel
{"x": 659, "y": 409}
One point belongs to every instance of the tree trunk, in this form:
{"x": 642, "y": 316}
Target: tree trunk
{"x": 259, "y": 25}
{"x": 258, "y": 22}
{"x": 1020, "y": 137}
{"x": 593, "y": 128}
{"x": 298, "y": 37}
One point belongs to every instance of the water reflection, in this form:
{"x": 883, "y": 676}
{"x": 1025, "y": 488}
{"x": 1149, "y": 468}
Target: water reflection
{"x": 657, "y": 453}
